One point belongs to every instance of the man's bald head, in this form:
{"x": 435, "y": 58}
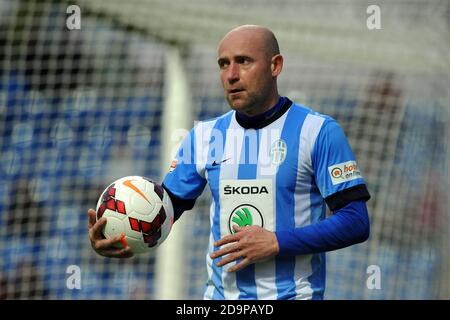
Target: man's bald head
{"x": 250, "y": 62}
{"x": 259, "y": 35}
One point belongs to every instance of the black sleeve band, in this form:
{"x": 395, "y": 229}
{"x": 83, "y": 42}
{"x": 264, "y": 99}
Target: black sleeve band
{"x": 342, "y": 198}
{"x": 179, "y": 205}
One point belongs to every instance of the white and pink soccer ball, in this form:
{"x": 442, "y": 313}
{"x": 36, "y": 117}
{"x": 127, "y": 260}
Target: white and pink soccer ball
{"x": 137, "y": 208}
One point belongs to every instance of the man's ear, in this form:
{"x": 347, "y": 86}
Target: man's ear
{"x": 276, "y": 65}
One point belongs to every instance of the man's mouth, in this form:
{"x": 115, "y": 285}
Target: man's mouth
{"x": 235, "y": 91}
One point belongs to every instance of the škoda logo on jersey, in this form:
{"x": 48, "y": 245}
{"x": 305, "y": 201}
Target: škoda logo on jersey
{"x": 245, "y": 190}
{"x": 245, "y": 215}
{"x": 246, "y": 202}
{"x": 343, "y": 172}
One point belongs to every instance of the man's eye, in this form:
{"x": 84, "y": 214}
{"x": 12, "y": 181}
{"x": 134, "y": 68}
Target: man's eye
{"x": 243, "y": 60}
{"x": 223, "y": 64}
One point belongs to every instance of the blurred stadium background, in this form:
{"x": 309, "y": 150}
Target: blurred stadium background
{"x": 79, "y": 108}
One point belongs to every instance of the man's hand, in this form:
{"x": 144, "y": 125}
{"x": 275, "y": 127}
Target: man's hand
{"x": 252, "y": 243}
{"x": 105, "y": 247}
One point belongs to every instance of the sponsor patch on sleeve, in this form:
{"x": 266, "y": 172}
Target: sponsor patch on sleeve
{"x": 343, "y": 172}
{"x": 173, "y": 165}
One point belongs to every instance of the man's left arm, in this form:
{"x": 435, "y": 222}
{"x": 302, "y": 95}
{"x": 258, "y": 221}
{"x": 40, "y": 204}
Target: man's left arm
{"x": 347, "y": 226}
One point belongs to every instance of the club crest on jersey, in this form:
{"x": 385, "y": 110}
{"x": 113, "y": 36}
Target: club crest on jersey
{"x": 278, "y": 152}
{"x": 245, "y": 215}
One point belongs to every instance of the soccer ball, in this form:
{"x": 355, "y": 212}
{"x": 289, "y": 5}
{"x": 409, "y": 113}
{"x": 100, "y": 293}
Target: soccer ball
{"x": 137, "y": 208}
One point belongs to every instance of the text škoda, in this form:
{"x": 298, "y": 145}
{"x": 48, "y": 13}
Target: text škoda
{"x": 245, "y": 190}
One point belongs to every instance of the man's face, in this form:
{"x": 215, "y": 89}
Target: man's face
{"x": 245, "y": 71}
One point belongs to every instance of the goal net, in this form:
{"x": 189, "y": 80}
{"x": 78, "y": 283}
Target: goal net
{"x": 91, "y": 90}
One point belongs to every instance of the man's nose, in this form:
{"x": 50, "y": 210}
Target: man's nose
{"x": 233, "y": 73}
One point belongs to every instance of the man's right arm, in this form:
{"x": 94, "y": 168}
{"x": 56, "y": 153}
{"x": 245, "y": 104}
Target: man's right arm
{"x": 183, "y": 185}
{"x": 179, "y": 204}
{"x": 186, "y": 180}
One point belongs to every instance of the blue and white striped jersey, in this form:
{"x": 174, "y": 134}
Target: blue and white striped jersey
{"x": 279, "y": 176}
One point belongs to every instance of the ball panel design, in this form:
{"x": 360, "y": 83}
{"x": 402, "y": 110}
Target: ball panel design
{"x": 159, "y": 190}
{"x": 136, "y": 245}
{"x": 113, "y": 227}
{"x": 141, "y": 205}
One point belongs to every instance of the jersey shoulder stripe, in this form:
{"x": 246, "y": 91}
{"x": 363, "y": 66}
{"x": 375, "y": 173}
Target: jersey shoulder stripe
{"x": 204, "y": 131}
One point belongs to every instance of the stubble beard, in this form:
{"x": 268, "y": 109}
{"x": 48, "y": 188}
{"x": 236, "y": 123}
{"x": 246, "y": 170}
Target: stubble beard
{"x": 248, "y": 105}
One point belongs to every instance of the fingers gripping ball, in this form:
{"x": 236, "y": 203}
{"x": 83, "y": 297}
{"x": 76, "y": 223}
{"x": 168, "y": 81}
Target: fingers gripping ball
{"x": 137, "y": 208}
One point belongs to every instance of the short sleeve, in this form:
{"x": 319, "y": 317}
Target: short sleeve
{"x": 336, "y": 171}
{"x": 183, "y": 179}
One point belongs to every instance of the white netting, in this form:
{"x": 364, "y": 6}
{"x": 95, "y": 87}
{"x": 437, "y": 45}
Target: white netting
{"x": 79, "y": 108}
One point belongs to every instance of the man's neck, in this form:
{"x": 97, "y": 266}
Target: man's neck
{"x": 253, "y": 112}
{"x": 262, "y": 119}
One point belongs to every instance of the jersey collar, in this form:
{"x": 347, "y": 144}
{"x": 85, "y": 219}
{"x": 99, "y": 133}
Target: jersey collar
{"x": 262, "y": 120}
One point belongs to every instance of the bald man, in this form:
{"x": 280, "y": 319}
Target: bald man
{"x": 272, "y": 166}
